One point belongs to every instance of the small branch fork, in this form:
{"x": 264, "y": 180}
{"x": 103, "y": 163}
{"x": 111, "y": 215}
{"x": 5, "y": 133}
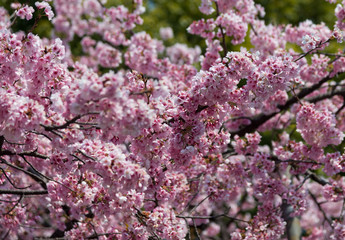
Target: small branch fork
{"x": 35, "y": 174}
{"x": 313, "y": 49}
{"x": 320, "y": 208}
{"x": 10, "y": 181}
{"x": 67, "y": 123}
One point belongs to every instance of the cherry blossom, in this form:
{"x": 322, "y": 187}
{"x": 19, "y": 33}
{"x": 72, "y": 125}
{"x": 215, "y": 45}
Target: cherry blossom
{"x": 137, "y": 139}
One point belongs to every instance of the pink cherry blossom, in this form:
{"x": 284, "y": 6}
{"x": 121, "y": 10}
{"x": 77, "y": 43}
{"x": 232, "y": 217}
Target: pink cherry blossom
{"x": 141, "y": 138}
{"x": 25, "y": 12}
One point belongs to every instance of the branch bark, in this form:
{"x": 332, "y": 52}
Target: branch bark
{"x": 23, "y": 192}
{"x": 260, "y": 119}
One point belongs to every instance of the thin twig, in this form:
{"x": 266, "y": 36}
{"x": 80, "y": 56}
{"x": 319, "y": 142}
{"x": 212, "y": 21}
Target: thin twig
{"x": 187, "y": 224}
{"x": 194, "y": 196}
{"x": 15, "y": 205}
{"x": 252, "y": 27}
{"x": 275, "y": 159}
{"x": 341, "y": 217}
{"x": 302, "y": 183}
{"x": 196, "y": 229}
{"x": 67, "y": 123}
{"x": 212, "y": 217}
{"x": 43, "y": 134}
{"x": 13, "y": 185}
{"x": 341, "y": 108}
{"x": 221, "y": 31}
{"x": 316, "y": 47}
{"x": 195, "y": 207}
{"x": 87, "y": 156}
{"x": 6, "y": 235}
{"x": 320, "y": 208}
{"x": 79, "y": 159}
{"x": 34, "y": 176}
{"x": 2, "y": 139}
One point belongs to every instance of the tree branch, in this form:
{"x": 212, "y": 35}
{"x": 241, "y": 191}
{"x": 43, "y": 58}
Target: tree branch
{"x": 320, "y": 208}
{"x": 316, "y": 47}
{"x": 2, "y": 139}
{"x": 23, "y": 192}
{"x": 12, "y": 183}
{"x": 34, "y": 176}
{"x": 67, "y": 123}
{"x": 328, "y": 95}
{"x": 260, "y": 119}
{"x": 222, "y": 32}
{"x": 15, "y": 205}
{"x": 211, "y": 217}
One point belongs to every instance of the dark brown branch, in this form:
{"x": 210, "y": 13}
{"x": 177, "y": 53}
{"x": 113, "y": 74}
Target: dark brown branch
{"x": 87, "y": 156}
{"x": 200, "y": 108}
{"x": 34, "y": 176}
{"x": 31, "y": 154}
{"x": 320, "y": 208}
{"x": 341, "y": 217}
{"x": 211, "y": 217}
{"x": 302, "y": 183}
{"x": 63, "y": 126}
{"x": 13, "y": 143}
{"x": 253, "y": 29}
{"x": 101, "y": 234}
{"x": 196, "y": 229}
{"x": 195, "y": 207}
{"x": 341, "y": 108}
{"x": 8, "y": 201}
{"x": 188, "y": 227}
{"x": 78, "y": 159}
{"x": 45, "y": 135}
{"x": 222, "y": 32}
{"x": 260, "y": 119}
{"x": 8, "y": 179}
{"x": 36, "y": 171}
{"x": 67, "y": 123}
{"x": 6, "y": 235}
{"x": 2, "y": 139}
{"x": 327, "y": 96}
{"x": 23, "y": 192}
{"x": 15, "y": 205}
{"x": 142, "y": 219}
{"x": 316, "y": 47}
{"x": 275, "y": 159}
{"x": 318, "y": 179}
{"x": 195, "y": 195}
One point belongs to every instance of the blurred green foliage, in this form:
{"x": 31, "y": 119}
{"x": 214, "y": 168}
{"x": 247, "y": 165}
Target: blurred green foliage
{"x": 43, "y": 26}
{"x": 179, "y": 14}
{"x": 295, "y": 11}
